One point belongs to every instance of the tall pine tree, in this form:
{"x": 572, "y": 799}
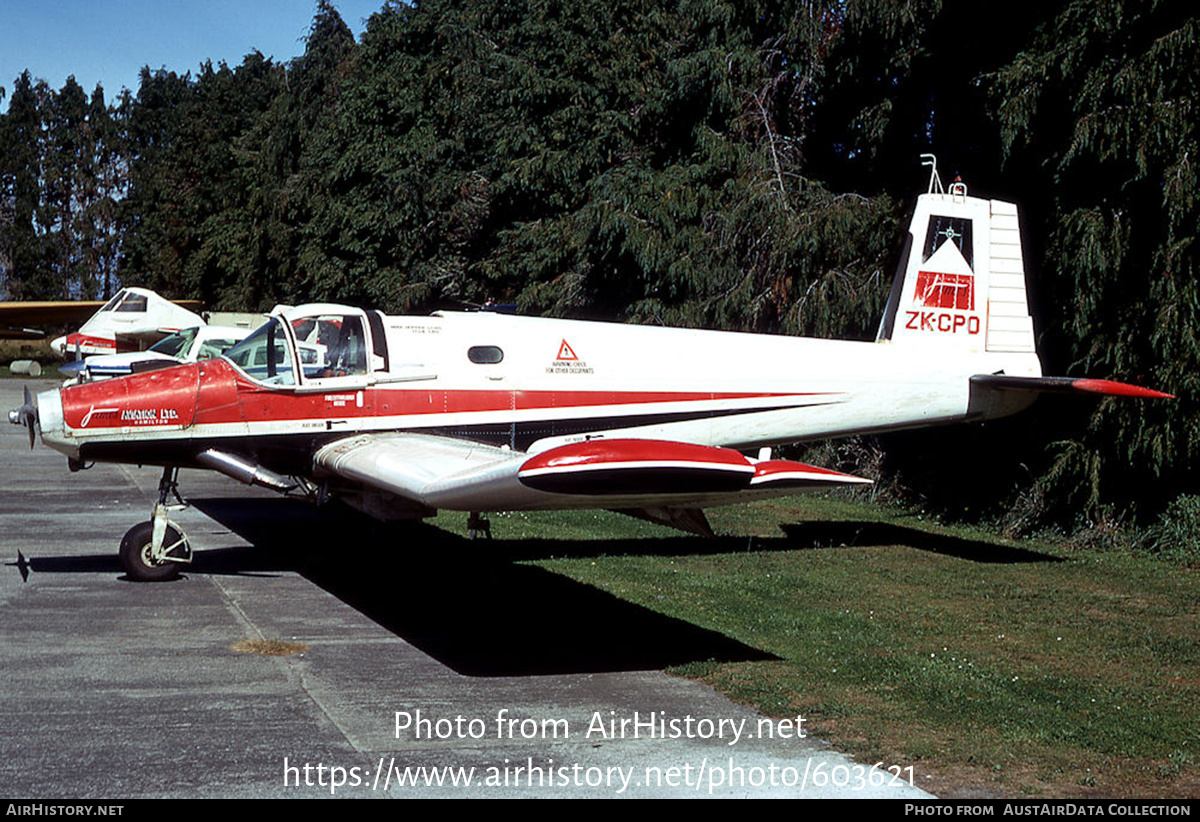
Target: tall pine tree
{"x": 20, "y": 173}
{"x": 1103, "y": 104}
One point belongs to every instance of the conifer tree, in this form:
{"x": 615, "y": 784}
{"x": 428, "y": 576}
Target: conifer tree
{"x": 20, "y": 142}
{"x": 66, "y": 162}
{"x": 105, "y": 183}
{"x": 1103, "y": 103}
{"x": 685, "y": 162}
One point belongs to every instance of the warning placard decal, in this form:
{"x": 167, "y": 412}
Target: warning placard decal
{"x": 567, "y": 362}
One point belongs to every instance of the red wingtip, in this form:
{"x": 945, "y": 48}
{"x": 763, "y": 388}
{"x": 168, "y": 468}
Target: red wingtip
{"x": 1118, "y": 389}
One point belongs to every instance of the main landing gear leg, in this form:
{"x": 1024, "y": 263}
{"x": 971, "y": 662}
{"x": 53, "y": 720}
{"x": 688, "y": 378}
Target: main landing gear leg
{"x": 479, "y": 526}
{"x": 153, "y": 551}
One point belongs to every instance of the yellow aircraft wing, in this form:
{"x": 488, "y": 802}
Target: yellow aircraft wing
{"x": 21, "y": 320}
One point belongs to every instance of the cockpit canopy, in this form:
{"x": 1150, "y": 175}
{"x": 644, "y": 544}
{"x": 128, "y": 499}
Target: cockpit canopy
{"x": 128, "y": 300}
{"x": 332, "y": 342}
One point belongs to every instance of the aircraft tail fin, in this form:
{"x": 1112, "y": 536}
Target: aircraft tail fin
{"x": 961, "y": 280}
{"x": 960, "y": 290}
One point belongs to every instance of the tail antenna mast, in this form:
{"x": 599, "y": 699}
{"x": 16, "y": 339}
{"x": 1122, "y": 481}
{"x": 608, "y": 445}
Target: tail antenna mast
{"x": 935, "y": 182}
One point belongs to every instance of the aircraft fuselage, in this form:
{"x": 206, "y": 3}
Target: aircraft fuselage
{"x": 540, "y": 383}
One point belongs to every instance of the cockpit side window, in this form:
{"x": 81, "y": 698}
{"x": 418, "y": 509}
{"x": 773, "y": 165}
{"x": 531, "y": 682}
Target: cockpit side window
{"x": 176, "y": 344}
{"x": 349, "y": 355}
{"x": 332, "y": 345}
{"x": 214, "y": 348}
{"x": 133, "y": 303}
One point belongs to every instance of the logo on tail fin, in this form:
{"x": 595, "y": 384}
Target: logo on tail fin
{"x": 954, "y": 230}
{"x": 944, "y": 292}
{"x": 938, "y": 290}
{"x": 945, "y": 304}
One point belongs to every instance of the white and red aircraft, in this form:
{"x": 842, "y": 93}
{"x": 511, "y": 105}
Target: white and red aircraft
{"x": 486, "y": 412}
{"x": 132, "y": 320}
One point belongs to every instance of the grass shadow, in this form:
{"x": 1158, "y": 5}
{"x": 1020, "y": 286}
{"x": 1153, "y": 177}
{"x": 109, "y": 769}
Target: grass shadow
{"x": 852, "y": 533}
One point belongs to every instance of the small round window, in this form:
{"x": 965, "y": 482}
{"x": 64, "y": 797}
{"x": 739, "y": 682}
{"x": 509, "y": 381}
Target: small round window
{"x": 485, "y": 354}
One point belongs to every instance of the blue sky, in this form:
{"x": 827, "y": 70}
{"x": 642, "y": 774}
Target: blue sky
{"x": 108, "y": 41}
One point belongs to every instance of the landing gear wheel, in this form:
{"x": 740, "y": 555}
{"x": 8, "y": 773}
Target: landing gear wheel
{"x": 135, "y": 553}
{"x": 479, "y": 526}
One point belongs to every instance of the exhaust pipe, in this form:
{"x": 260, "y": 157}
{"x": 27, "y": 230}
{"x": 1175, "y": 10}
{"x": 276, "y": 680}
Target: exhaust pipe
{"x": 244, "y": 471}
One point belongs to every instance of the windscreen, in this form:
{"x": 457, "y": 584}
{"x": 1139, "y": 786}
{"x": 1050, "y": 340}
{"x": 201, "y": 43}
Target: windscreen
{"x": 177, "y": 344}
{"x": 265, "y": 355}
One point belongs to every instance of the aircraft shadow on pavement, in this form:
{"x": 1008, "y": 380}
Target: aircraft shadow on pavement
{"x": 851, "y": 533}
{"x": 465, "y": 603}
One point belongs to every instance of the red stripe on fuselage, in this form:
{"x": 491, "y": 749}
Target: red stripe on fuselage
{"x": 87, "y": 341}
{"x": 259, "y": 405}
{"x": 226, "y": 396}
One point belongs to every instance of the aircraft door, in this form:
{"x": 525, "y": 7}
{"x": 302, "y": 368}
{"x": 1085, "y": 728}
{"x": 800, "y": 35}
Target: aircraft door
{"x": 334, "y": 348}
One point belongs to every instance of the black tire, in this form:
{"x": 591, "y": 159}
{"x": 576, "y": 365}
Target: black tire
{"x": 135, "y": 554}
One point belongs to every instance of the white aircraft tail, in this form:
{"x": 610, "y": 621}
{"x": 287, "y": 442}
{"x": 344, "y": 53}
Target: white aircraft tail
{"x": 961, "y": 281}
{"x": 960, "y": 292}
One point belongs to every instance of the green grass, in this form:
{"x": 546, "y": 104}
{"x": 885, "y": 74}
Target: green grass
{"x": 992, "y": 666}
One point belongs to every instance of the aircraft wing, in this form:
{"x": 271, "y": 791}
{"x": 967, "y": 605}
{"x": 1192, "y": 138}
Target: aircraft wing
{"x": 20, "y": 320}
{"x": 17, "y": 317}
{"x": 441, "y": 472}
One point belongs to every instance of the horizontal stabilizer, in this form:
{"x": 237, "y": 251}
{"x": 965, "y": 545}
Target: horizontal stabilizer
{"x": 1067, "y": 385}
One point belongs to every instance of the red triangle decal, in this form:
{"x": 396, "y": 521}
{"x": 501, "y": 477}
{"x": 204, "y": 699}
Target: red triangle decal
{"x": 565, "y": 352}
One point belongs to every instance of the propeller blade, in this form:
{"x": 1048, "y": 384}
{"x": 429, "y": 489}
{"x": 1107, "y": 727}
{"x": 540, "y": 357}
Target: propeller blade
{"x": 25, "y": 415}
{"x": 30, "y": 415}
